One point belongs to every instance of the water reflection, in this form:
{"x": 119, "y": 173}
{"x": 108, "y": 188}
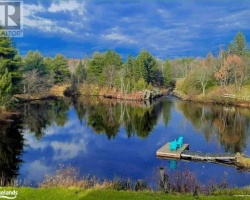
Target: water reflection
{"x": 93, "y": 132}
{"x": 38, "y": 116}
{"x": 11, "y": 149}
{"x": 106, "y": 116}
{"x": 230, "y": 125}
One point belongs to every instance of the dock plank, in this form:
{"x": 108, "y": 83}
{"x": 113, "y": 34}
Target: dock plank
{"x": 207, "y": 156}
{"x": 165, "y": 152}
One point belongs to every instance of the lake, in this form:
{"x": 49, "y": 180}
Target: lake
{"x": 108, "y": 138}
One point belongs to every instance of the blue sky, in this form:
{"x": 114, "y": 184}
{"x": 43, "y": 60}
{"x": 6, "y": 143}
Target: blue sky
{"x": 167, "y": 28}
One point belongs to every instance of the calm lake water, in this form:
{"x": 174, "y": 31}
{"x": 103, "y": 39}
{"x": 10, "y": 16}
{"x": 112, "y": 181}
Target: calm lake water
{"x": 108, "y": 139}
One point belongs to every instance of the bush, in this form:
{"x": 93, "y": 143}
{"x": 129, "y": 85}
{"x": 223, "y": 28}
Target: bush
{"x": 140, "y": 85}
{"x": 67, "y": 177}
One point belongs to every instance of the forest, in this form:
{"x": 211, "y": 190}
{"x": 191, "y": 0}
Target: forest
{"x": 228, "y": 73}
{"x": 34, "y": 73}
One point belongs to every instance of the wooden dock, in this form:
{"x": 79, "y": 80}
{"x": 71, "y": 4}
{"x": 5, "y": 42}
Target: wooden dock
{"x": 184, "y": 153}
{"x": 207, "y": 156}
{"x": 164, "y": 152}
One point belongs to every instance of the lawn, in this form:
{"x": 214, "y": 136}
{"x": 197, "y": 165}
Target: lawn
{"x": 94, "y": 194}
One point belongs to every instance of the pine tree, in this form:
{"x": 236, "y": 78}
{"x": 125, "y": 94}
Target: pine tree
{"x": 81, "y": 73}
{"x": 146, "y": 65}
{"x": 167, "y": 73}
{"x": 95, "y": 68}
{"x": 5, "y": 87}
{"x": 60, "y": 69}
{"x": 238, "y": 45}
{"x": 11, "y": 61}
{"x": 34, "y": 61}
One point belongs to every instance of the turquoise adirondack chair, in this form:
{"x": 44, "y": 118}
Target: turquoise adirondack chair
{"x": 179, "y": 142}
{"x": 173, "y": 145}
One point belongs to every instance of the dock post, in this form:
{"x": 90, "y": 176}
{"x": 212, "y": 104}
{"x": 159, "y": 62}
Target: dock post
{"x": 164, "y": 180}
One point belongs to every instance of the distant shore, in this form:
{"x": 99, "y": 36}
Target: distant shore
{"x": 221, "y": 99}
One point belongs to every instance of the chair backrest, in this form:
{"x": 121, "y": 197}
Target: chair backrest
{"x": 180, "y": 139}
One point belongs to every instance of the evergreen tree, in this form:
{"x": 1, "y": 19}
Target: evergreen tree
{"x": 146, "y": 64}
{"x": 5, "y": 87}
{"x": 129, "y": 76}
{"x": 60, "y": 69}
{"x": 81, "y": 73}
{"x": 10, "y": 60}
{"x": 167, "y": 73}
{"x": 95, "y": 68}
{"x": 238, "y": 45}
{"x": 48, "y": 63}
{"x": 34, "y": 60}
{"x": 112, "y": 58}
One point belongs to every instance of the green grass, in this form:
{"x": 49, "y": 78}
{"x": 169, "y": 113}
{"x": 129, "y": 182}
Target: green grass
{"x": 94, "y": 194}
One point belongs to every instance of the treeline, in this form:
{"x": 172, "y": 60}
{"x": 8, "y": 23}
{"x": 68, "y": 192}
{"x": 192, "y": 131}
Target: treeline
{"x": 32, "y": 73}
{"x": 104, "y": 69}
{"x": 35, "y": 73}
{"x": 230, "y": 68}
{"x": 108, "y": 69}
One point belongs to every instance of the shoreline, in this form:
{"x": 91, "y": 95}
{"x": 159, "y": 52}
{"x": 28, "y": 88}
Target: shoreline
{"x": 224, "y": 101}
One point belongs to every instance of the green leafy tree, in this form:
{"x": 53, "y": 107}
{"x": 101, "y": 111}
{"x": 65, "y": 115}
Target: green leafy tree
{"x": 81, "y": 72}
{"x": 147, "y": 63}
{"x": 167, "y": 73}
{"x": 34, "y": 60}
{"x": 137, "y": 69}
{"x": 37, "y": 72}
{"x": 238, "y": 45}
{"x": 112, "y": 64}
{"x": 95, "y": 68}
{"x": 48, "y": 62}
{"x": 60, "y": 69}
{"x": 111, "y": 58}
{"x": 5, "y": 87}
{"x": 129, "y": 73}
{"x": 140, "y": 84}
{"x": 11, "y": 61}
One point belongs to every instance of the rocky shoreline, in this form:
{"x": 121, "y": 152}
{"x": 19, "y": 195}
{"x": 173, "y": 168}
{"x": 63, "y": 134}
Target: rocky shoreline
{"x": 136, "y": 96}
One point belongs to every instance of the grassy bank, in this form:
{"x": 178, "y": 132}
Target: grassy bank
{"x": 227, "y": 95}
{"x": 95, "y": 194}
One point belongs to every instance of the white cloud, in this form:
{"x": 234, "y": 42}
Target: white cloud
{"x": 119, "y": 38}
{"x": 45, "y": 25}
{"x": 33, "y": 143}
{"x": 67, "y": 6}
{"x": 32, "y": 9}
{"x": 35, "y": 16}
{"x": 237, "y": 20}
{"x": 62, "y": 150}
{"x": 68, "y": 150}
{"x": 35, "y": 171}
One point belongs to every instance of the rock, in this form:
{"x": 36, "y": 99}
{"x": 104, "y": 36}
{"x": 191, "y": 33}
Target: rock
{"x": 150, "y": 95}
{"x": 147, "y": 94}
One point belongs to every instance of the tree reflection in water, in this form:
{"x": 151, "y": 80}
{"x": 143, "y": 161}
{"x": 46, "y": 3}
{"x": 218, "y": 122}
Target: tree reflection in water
{"x": 107, "y": 116}
{"x": 11, "y": 149}
{"x": 229, "y": 124}
{"x": 104, "y": 116}
{"x": 37, "y": 116}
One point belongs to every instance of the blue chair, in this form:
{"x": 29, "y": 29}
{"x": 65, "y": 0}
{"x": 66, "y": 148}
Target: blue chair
{"x": 173, "y": 145}
{"x": 179, "y": 142}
